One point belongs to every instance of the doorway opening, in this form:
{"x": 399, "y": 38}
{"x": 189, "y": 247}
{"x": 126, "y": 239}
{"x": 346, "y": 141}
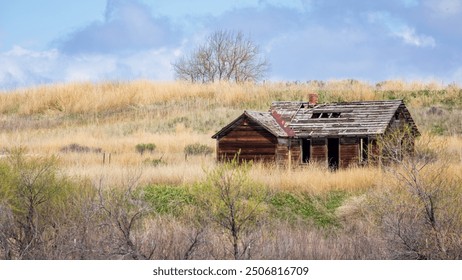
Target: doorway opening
{"x": 333, "y": 153}
{"x": 364, "y": 148}
{"x": 306, "y": 150}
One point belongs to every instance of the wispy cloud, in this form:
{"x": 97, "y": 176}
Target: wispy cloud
{"x": 397, "y": 28}
{"x": 410, "y": 37}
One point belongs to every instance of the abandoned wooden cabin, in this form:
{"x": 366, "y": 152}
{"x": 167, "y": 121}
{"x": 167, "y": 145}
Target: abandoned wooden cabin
{"x": 296, "y": 132}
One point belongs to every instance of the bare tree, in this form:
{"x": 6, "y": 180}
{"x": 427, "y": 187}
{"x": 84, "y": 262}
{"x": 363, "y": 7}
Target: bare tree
{"x": 123, "y": 211}
{"x": 234, "y": 203}
{"x": 416, "y": 206}
{"x": 225, "y": 56}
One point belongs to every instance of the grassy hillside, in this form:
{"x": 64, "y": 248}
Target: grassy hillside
{"x": 115, "y": 117}
{"x": 92, "y": 131}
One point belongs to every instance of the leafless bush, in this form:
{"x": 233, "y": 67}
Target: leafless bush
{"x": 416, "y": 208}
{"x": 6, "y": 232}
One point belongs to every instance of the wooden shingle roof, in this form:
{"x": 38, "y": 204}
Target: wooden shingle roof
{"x": 303, "y": 120}
{"x": 363, "y": 118}
{"x": 264, "y": 119}
{"x": 287, "y": 109}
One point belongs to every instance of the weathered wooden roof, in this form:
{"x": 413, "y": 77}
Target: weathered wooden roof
{"x": 265, "y": 119}
{"x": 302, "y": 120}
{"x": 287, "y": 109}
{"x": 340, "y": 119}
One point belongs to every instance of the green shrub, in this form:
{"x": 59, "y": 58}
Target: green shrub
{"x": 154, "y": 161}
{"x": 141, "y": 148}
{"x": 150, "y": 147}
{"x": 232, "y": 201}
{"x": 437, "y": 129}
{"x": 197, "y": 149}
{"x": 319, "y": 209}
{"x": 76, "y": 148}
{"x": 166, "y": 199}
{"x": 34, "y": 198}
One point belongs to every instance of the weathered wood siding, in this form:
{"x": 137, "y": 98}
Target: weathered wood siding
{"x": 319, "y": 150}
{"x": 296, "y": 152}
{"x": 250, "y": 140}
{"x": 282, "y": 155}
{"x": 282, "y": 152}
{"x": 349, "y": 151}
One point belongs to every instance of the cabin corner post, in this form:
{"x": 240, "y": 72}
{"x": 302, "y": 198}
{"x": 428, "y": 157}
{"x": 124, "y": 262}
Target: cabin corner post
{"x": 217, "y": 149}
{"x": 290, "y": 155}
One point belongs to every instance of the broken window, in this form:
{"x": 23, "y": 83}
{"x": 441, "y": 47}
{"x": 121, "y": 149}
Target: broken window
{"x": 325, "y": 115}
{"x": 315, "y": 115}
{"x": 335, "y": 115}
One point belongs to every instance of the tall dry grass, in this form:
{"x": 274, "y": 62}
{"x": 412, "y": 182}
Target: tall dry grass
{"x": 317, "y": 179}
{"x": 89, "y": 98}
{"x": 115, "y": 117}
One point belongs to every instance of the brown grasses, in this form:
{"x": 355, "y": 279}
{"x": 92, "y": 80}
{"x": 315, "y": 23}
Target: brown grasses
{"x": 89, "y": 98}
{"x": 115, "y": 117}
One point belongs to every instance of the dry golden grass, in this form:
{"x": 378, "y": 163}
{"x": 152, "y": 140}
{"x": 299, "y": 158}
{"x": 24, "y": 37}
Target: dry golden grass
{"x": 316, "y": 179}
{"x": 117, "y": 116}
{"x": 89, "y": 98}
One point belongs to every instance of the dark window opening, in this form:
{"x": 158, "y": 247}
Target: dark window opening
{"x": 397, "y": 116}
{"x": 335, "y": 115}
{"x": 364, "y": 146}
{"x": 315, "y": 115}
{"x": 333, "y": 155}
{"x": 306, "y": 150}
{"x": 325, "y": 115}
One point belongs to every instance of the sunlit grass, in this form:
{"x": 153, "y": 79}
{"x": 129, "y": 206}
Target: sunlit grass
{"x": 115, "y": 117}
{"x": 89, "y": 98}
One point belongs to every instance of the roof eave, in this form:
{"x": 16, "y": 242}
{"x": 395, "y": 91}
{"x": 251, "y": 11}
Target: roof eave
{"x": 245, "y": 114}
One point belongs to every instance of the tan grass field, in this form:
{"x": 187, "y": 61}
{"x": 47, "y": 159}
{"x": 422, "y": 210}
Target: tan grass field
{"x": 115, "y": 117}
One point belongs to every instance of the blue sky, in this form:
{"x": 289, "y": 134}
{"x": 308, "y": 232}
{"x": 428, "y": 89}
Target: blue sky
{"x": 54, "y": 41}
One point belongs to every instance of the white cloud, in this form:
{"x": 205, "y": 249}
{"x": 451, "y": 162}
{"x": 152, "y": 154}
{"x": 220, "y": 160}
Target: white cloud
{"x": 410, "y": 37}
{"x": 89, "y": 67}
{"x": 20, "y": 67}
{"x": 398, "y": 28}
{"x": 18, "y": 51}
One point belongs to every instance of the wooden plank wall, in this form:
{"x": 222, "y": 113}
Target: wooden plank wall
{"x": 251, "y": 140}
{"x": 319, "y": 150}
{"x": 296, "y": 152}
{"x": 349, "y": 151}
{"x": 282, "y": 153}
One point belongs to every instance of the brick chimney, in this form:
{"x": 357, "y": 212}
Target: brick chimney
{"x": 313, "y": 98}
